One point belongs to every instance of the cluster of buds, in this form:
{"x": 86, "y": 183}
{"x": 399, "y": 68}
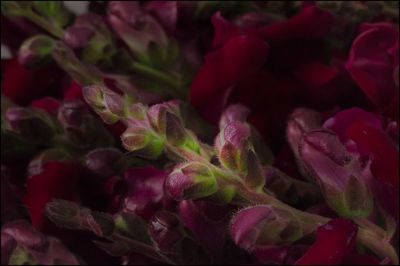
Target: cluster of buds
{"x": 236, "y": 150}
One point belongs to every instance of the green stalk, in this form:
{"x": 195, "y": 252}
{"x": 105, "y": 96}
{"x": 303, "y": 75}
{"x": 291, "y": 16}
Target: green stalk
{"x": 44, "y": 24}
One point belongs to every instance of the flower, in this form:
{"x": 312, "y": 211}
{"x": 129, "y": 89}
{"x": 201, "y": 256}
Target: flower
{"x": 22, "y": 85}
{"x": 264, "y": 67}
{"x": 57, "y": 180}
{"x": 373, "y": 64}
{"x": 334, "y": 241}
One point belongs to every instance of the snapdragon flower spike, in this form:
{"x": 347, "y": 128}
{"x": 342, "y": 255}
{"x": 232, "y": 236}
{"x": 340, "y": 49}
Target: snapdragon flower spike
{"x": 68, "y": 214}
{"x": 22, "y": 244}
{"x": 190, "y": 181}
{"x": 36, "y": 50}
{"x": 30, "y": 123}
{"x": 339, "y": 174}
{"x": 335, "y": 240}
{"x": 262, "y": 225}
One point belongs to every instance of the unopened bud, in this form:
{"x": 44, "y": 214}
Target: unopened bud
{"x": 190, "y": 181}
{"x": 36, "y": 50}
{"x": 338, "y": 173}
{"x": 143, "y": 142}
{"x": 232, "y": 144}
{"x": 252, "y": 227}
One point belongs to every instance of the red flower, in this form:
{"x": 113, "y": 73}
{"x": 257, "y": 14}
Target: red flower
{"x": 23, "y": 85}
{"x": 293, "y": 74}
{"x": 334, "y": 241}
{"x": 374, "y": 57}
{"x": 57, "y": 180}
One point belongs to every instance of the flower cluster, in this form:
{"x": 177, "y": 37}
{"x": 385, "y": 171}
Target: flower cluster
{"x": 204, "y": 132}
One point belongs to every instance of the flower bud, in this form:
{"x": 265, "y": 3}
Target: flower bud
{"x": 106, "y": 103}
{"x": 251, "y": 227}
{"x": 36, "y": 50}
{"x": 131, "y": 225}
{"x": 232, "y": 145}
{"x": 142, "y": 142}
{"x": 301, "y": 121}
{"x": 165, "y": 230}
{"x": 64, "y": 213}
{"x": 83, "y": 29}
{"x": 175, "y": 132}
{"x": 235, "y": 112}
{"x": 32, "y": 124}
{"x": 136, "y": 28}
{"x": 338, "y": 173}
{"x": 157, "y": 114}
{"x": 190, "y": 181}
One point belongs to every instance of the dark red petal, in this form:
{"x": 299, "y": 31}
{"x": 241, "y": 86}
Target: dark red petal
{"x": 334, "y": 241}
{"x": 385, "y": 164}
{"x": 58, "y": 180}
{"x": 48, "y": 104}
{"x": 240, "y": 57}
{"x": 346, "y": 118}
{"x": 311, "y": 22}
{"x": 370, "y": 63}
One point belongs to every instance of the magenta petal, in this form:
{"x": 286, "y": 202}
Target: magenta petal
{"x": 145, "y": 190}
{"x": 334, "y": 241}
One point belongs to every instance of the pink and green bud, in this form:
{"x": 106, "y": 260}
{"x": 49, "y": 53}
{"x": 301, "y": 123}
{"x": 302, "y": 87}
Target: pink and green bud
{"x": 157, "y": 114}
{"x": 142, "y": 142}
{"x": 30, "y": 123}
{"x": 190, "y": 181}
{"x": 106, "y": 103}
{"x": 36, "y": 50}
{"x": 236, "y": 112}
{"x": 339, "y": 174}
{"x": 263, "y": 225}
{"x": 232, "y": 145}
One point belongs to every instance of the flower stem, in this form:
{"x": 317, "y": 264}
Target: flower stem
{"x": 163, "y": 77}
{"x": 44, "y": 24}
